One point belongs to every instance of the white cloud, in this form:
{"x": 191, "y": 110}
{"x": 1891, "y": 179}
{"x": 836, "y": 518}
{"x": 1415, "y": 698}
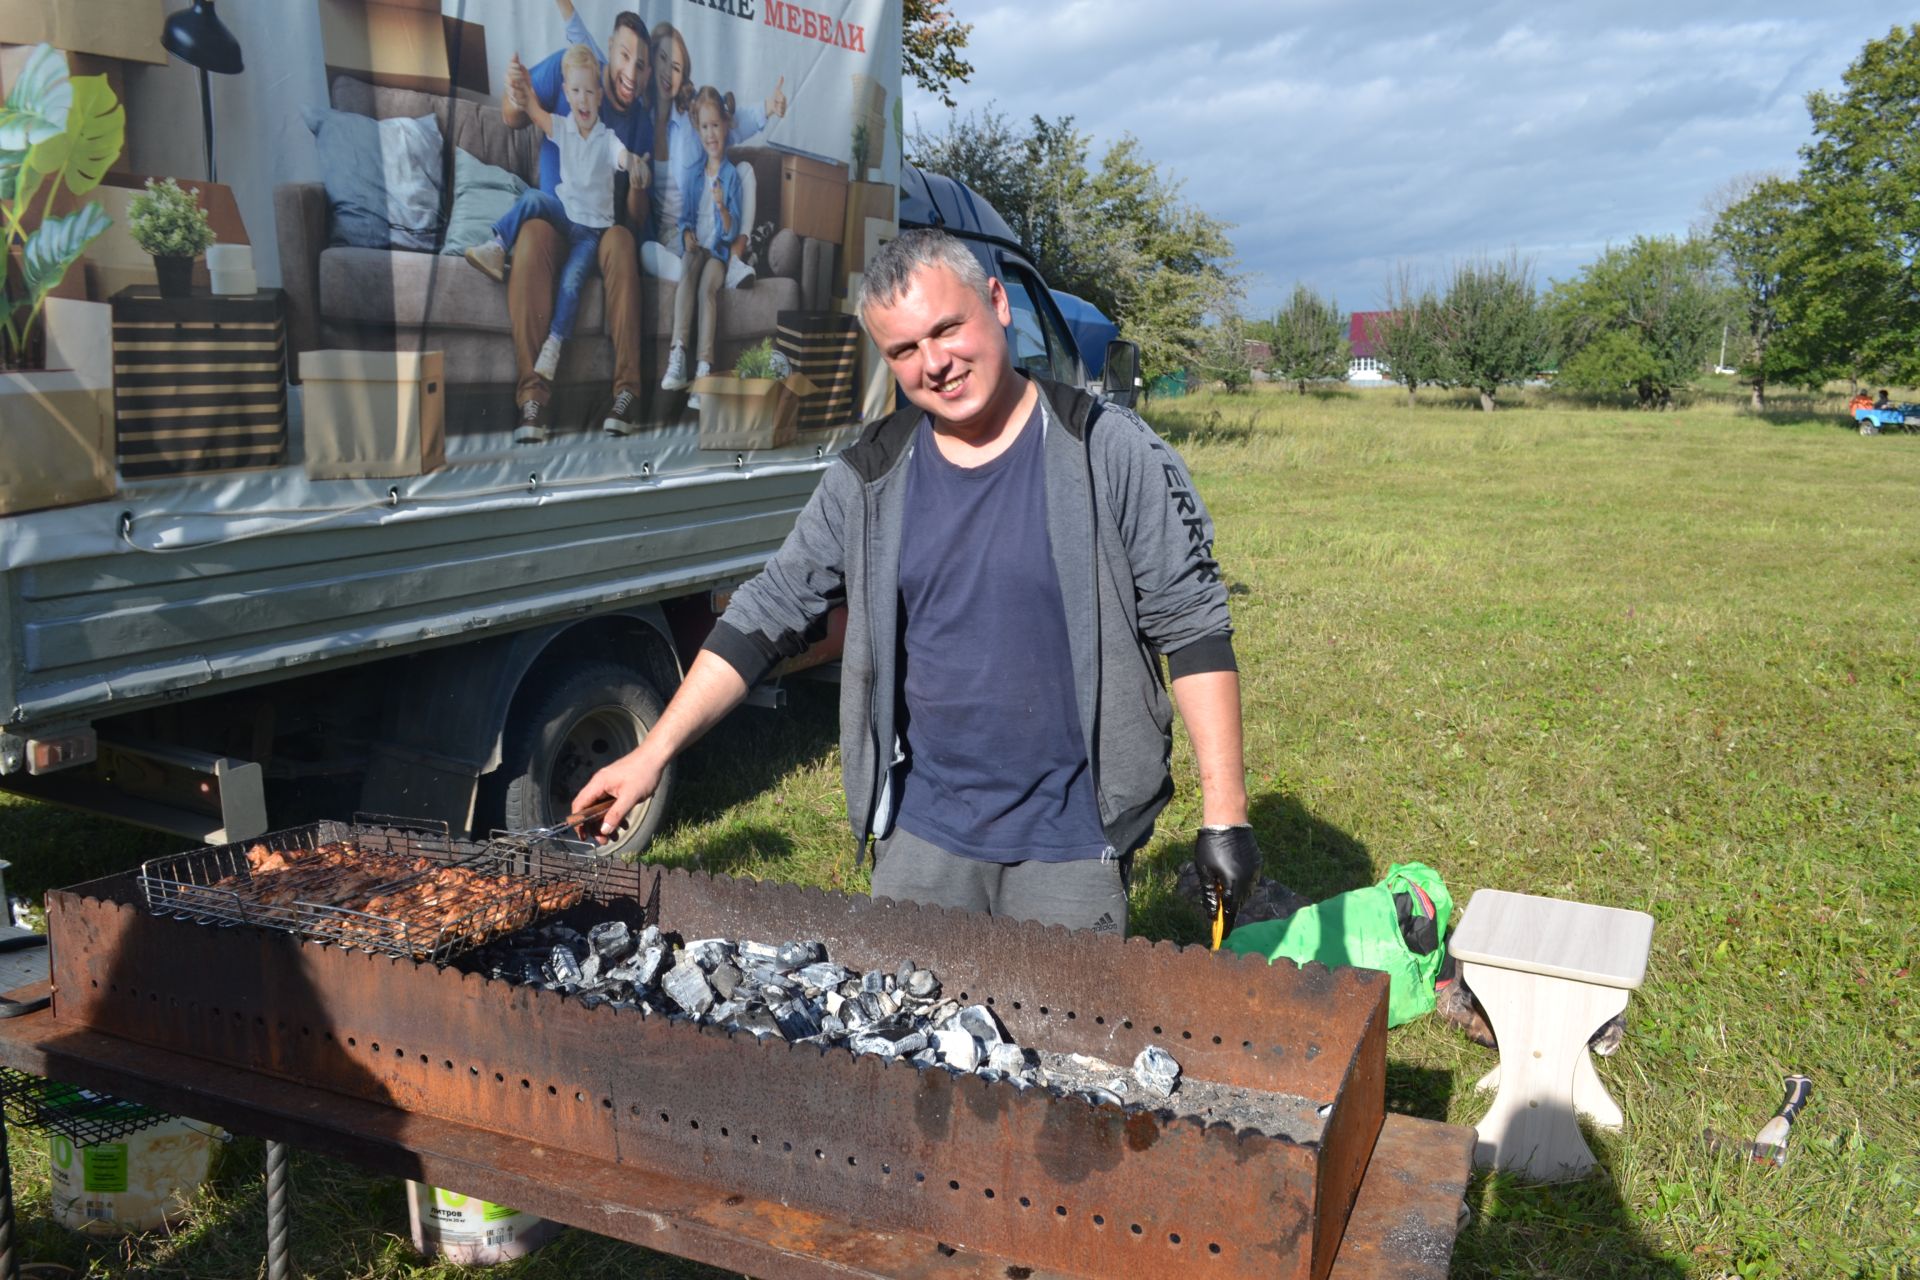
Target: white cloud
{"x": 1342, "y": 139}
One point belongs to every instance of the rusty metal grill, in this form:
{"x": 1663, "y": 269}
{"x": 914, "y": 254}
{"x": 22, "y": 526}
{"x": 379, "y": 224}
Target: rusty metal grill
{"x": 508, "y": 885}
{"x": 1057, "y": 1184}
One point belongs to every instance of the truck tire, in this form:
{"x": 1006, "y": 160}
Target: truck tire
{"x": 567, "y": 727}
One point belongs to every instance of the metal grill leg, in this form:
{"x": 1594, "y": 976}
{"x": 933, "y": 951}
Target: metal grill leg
{"x": 279, "y": 1265}
{"x": 9, "y": 1265}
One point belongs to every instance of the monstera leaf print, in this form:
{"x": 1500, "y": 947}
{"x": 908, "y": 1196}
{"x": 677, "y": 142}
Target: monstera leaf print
{"x": 37, "y": 107}
{"x": 57, "y": 244}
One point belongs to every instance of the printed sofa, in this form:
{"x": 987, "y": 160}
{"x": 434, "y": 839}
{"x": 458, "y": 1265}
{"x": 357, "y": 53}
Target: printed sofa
{"x": 386, "y": 299}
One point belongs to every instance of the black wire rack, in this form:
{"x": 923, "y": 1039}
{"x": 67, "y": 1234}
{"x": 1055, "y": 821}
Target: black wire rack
{"x": 512, "y": 885}
{"x": 80, "y": 1115}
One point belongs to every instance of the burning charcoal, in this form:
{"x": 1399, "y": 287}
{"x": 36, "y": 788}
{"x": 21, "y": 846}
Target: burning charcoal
{"x": 874, "y": 983}
{"x": 708, "y": 952}
{"x": 957, "y": 1048}
{"x": 1095, "y": 1094}
{"x": 832, "y": 1028}
{"x": 796, "y": 1020}
{"x": 835, "y": 1002}
{"x": 1156, "y": 1071}
{"x": 906, "y": 970}
{"x": 761, "y": 953}
{"x": 648, "y": 967}
{"x": 889, "y": 1003}
{"x": 610, "y": 940}
{"x": 978, "y": 1021}
{"x": 798, "y": 955}
{"x": 927, "y": 1057}
{"x": 592, "y": 1000}
{"x": 941, "y": 1013}
{"x": 821, "y": 977}
{"x": 725, "y": 979}
{"x": 725, "y": 1012}
{"x": 1011, "y": 1058}
{"x": 922, "y": 985}
{"x": 893, "y": 1043}
{"x": 562, "y": 969}
{"x": 687, "y": 987}
{"x": 758, "y": 1020}
{"x": 590, "y": 970}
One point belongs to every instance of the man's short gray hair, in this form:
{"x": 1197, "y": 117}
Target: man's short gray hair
{"x": 890, "y": 272}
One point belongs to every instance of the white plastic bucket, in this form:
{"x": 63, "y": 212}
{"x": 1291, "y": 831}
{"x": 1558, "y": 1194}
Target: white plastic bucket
{"x": 471, "y": 1231}
{"x": 140, "y": 1183}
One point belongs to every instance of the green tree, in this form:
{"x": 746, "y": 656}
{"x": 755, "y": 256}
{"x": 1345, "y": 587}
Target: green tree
{"x": 1492, "y": 332}
{"x": 1752, "y": 234}
{"x": 1407, "y": 336}
{"x": 1223, "y": 354}
{"x": 930, "y": 47}
{"x": 1309, "y": 340}
{"x": 1854, "y": 306}
{"x": 1656, "y": 303}
{"x": 1118, "y": 234}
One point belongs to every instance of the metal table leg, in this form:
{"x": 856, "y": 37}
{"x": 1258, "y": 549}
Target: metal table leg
{"x": 279, "y": 1265}
{"x": 9, "y": 1264}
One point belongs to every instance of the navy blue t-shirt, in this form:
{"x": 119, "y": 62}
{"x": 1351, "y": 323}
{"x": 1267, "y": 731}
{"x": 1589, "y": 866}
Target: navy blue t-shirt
{"x": 997, "y": 763}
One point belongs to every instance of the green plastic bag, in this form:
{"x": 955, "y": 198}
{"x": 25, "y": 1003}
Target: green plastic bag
{"x": 1368, "y": 929}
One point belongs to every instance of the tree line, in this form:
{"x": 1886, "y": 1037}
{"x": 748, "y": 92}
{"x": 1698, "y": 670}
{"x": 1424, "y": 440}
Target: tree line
{"x": 1799, "y": 279}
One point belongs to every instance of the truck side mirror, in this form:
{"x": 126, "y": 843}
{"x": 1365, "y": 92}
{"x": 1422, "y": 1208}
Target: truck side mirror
{"x": 1120, "y": 376}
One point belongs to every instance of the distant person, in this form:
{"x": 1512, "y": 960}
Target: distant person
{"x": 1880, "y": 402}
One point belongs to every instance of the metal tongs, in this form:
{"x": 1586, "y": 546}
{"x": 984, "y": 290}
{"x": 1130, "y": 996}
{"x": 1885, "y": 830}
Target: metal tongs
{"x": 568, "y": 826}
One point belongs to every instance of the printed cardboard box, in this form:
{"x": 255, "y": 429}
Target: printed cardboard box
{"x": 109, "y": 28}
{"x": 750, "y": 413}
{"x": 813, "y": 197}
{"x": 402, "y": 44}
{"x": 374, "y": 414}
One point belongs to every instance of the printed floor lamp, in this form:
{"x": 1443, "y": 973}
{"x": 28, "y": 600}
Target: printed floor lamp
{"x": 197, "y": 37}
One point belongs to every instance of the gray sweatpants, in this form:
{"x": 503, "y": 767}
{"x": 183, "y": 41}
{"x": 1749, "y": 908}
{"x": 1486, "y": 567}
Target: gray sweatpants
{"x": 1088, "y": 893}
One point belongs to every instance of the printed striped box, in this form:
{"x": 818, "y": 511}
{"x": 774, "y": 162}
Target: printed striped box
{"x": 825, "y": 346}
{"x": 199, "y": 383}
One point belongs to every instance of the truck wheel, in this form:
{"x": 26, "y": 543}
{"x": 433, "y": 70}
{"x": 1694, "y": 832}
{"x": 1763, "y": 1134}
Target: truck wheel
{"x": 582, "y": 718}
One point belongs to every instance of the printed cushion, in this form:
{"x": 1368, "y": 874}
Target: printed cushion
{"x": 482, "y": 194}
{"x": 382, "y": 178}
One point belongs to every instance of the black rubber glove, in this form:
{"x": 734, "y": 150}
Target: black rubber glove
{"x": 1228, "y": 859}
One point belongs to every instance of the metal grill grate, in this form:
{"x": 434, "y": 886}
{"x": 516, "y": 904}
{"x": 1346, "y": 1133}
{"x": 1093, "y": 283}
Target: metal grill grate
{"x": 389, "y": 885}
{"x": 84, "y": 1117}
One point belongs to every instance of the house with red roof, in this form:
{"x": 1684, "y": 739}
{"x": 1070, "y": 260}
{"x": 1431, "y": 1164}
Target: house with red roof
{"x": 1365, "y": 364}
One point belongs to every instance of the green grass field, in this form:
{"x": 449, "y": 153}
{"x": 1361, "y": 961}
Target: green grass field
{"x": 1661, "y": 661}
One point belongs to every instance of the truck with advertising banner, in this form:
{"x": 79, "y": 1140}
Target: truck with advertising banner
{"x": 393, "y": 388}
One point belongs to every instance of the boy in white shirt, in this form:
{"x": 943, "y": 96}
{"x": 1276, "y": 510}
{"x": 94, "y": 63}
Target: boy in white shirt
{"x": 581, "y": 205}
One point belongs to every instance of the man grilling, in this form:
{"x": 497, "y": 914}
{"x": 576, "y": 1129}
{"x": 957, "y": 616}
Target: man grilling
{"x": 1016, "y": 558}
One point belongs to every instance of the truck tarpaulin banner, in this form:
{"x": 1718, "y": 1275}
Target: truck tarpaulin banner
{"x": 432, "y": 277}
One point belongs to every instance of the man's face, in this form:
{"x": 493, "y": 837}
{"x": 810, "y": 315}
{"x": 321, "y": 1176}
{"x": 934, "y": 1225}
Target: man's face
{"x": 946, "y": 345}
{"x": 583, "y": 96}
{"x": 627, "y": 68}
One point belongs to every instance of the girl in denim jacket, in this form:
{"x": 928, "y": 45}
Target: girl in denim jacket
{"x": 709, "y": 221}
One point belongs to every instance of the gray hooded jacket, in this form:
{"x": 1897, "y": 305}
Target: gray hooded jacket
{"x": 1133, "y": 547}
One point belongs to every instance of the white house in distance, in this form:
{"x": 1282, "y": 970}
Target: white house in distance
{"x": 1364, "y": 365}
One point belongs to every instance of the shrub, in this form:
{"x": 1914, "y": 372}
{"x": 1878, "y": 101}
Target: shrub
{"x": 760, "y": 361}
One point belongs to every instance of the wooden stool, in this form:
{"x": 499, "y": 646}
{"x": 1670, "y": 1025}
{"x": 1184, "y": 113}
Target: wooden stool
{"x": 1548, "y": 973}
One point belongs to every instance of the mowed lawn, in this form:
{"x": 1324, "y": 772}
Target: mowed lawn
{"x": 1663, "y": 661}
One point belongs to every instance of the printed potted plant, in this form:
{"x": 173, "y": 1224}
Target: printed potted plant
{"x": 757, "y": 406}
{"x": 167, "y": 221}
{"x": 862, "y": 146}
{"x": 59, "y": 134}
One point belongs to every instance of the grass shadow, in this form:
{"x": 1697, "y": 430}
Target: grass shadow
{"x": 1414, "y": 1090}
{"x": 1307, "y": 854}
{"x": 1585, "y": 1227}
{"x": 752, "y": 750}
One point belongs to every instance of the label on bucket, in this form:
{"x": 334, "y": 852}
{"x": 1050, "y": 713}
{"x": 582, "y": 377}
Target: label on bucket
{"x": 104, "y": 1167}
{"x": 464, "y": 1206}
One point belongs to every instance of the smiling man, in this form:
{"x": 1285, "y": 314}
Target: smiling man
{"x": 1016, "y": 559}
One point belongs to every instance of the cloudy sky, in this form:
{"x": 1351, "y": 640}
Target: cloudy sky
{"x": 1343, "y": 138}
